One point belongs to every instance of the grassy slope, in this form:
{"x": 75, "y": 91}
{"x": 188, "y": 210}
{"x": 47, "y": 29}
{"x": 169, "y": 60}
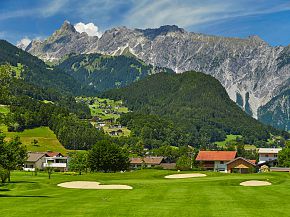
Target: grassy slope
{"x": 232, "y": 138}
{"x": 215, "y": 195}
{"x": 4, "y": 109}
{"x": 229, "y": 138}
{"x": 45, "y": 137}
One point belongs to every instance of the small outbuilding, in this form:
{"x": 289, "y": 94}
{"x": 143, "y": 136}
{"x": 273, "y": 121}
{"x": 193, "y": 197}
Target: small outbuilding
{"x": 146, "y": 161}
{"x": 241, "y": 165}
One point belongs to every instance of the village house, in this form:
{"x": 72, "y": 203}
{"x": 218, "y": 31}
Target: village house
{"x": 56, "y": 160}
{"x": 148, "y": 162}
{"x": 136, "y": 162}
{"x": 41, "y": 160}
{"x": 241, "y": 165}
{"x": 268, "y": 155}
{"x": 116, "y": 132}
{"x": 225, "y": 161}
{"x": 34, "y": 161}
{"x": 215, "y": 160}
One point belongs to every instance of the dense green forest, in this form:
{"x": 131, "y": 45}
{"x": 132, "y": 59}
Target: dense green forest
{"x": 196, "y": 105}
{"x": 103, "y": 72}
{"x": 32, "y": 106}
{"x": 35, "y": 71}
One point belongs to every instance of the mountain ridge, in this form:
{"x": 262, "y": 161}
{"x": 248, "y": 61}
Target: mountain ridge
{"x": 250, "y": 69}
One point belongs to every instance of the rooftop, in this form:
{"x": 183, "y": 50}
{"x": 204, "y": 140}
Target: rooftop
{"x": 35, "y": 156}
{"x": 216, "y": 155}
{"x": 269, "y": 150}
{"x": 146, "y": 160}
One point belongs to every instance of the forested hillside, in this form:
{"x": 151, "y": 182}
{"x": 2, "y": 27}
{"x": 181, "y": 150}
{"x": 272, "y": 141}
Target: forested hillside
{"x": 196, "y": 104}
{"x": 103, "y": 72}
{"x": 31, "y": 106}
{"x": 35, "y": 71}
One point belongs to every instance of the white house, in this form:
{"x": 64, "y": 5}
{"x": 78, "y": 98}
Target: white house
{"x": 56, "y": 160}
{"x": 268, "y": 154}
{"x": 41, "y": 160}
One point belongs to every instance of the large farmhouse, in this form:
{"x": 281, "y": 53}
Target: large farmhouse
{"x": 215, "y": 160}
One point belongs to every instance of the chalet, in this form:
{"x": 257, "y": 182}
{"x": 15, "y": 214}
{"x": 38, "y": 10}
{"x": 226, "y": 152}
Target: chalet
{"x": 215, "y": 160}
{"x": 34, "y": 161}
{"x": 268, "y": 155}
{"x": 56, "y": 160}
{"x": 241, "y": 165}
{"x": 41, "y": 160}
{"x": 148, "y": 162}
{"x": 116, "y": 132}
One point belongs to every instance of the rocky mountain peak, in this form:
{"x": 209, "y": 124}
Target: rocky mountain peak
{"x": 162, "y": 30}
{"x": 257, "y": 39}
{"x": 252, "y": 71}
{"x": 66, "y": 28}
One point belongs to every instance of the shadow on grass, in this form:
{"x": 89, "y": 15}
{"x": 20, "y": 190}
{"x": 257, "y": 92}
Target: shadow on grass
{"x": 4, "y": 189}
{"x": 16, "y": 182}
{"x": 23, "y": 196}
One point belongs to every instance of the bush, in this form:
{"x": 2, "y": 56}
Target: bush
{"x": 183, "y": 163}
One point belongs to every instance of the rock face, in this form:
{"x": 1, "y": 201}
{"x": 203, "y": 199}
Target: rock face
{"x": 252, "y": 71}
{"x": 64, "y": 41}
{"x": 277, "y": 111}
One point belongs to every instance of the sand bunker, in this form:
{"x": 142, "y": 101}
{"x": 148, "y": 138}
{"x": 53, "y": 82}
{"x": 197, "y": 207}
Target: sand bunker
{"x": 255, "y": 183}
{"x": 184, "y": 176}
{"x": 92, "y": 185}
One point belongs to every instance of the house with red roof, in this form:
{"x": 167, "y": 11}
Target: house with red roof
{"x": 225, "y": 161}
{"x": 215, "y": 160}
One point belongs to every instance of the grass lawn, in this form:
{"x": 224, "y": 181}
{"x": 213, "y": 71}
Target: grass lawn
{"x": 4, "y": 109}
{"x": 47, "y": 140}
{"x": 229, "y": 138}
{"x": 152, "y": 195}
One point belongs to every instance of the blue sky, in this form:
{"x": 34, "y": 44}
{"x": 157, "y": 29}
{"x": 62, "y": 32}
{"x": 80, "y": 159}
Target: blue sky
{"x": 270, "y": 19}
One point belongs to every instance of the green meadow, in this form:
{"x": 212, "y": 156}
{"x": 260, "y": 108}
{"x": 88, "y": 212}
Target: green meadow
{"x": 46, "y": 139}
{"x": 152, "y": 195}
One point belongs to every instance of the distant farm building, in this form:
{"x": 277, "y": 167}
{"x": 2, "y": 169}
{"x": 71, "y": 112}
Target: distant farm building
{"x": 268, "y": 156}
{"x": 241, "y": 165}
{"x": 215, "y": 160}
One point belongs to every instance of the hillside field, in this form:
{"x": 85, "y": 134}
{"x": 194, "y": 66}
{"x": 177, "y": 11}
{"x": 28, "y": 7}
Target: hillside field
{"x": 47, "y": 140}
{"x": 152, "y": 195}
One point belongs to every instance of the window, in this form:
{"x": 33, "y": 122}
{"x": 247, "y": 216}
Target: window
{"x": 275, "y": 155}
{"x": 221, "y": 162}
{"x": 266, "y": 155}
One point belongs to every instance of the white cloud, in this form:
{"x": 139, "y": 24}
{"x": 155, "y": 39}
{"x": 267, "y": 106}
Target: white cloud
{"x": 90, "y": 28}
{"x": 44, "y": 10}
{"x": 23, "y": 43}
{"x": 188, "y": 13}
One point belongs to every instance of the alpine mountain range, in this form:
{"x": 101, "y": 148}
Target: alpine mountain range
{"x": 255, "y": 74}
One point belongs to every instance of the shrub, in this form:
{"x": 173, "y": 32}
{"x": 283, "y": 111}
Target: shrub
{"x": 183, "y": 163}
